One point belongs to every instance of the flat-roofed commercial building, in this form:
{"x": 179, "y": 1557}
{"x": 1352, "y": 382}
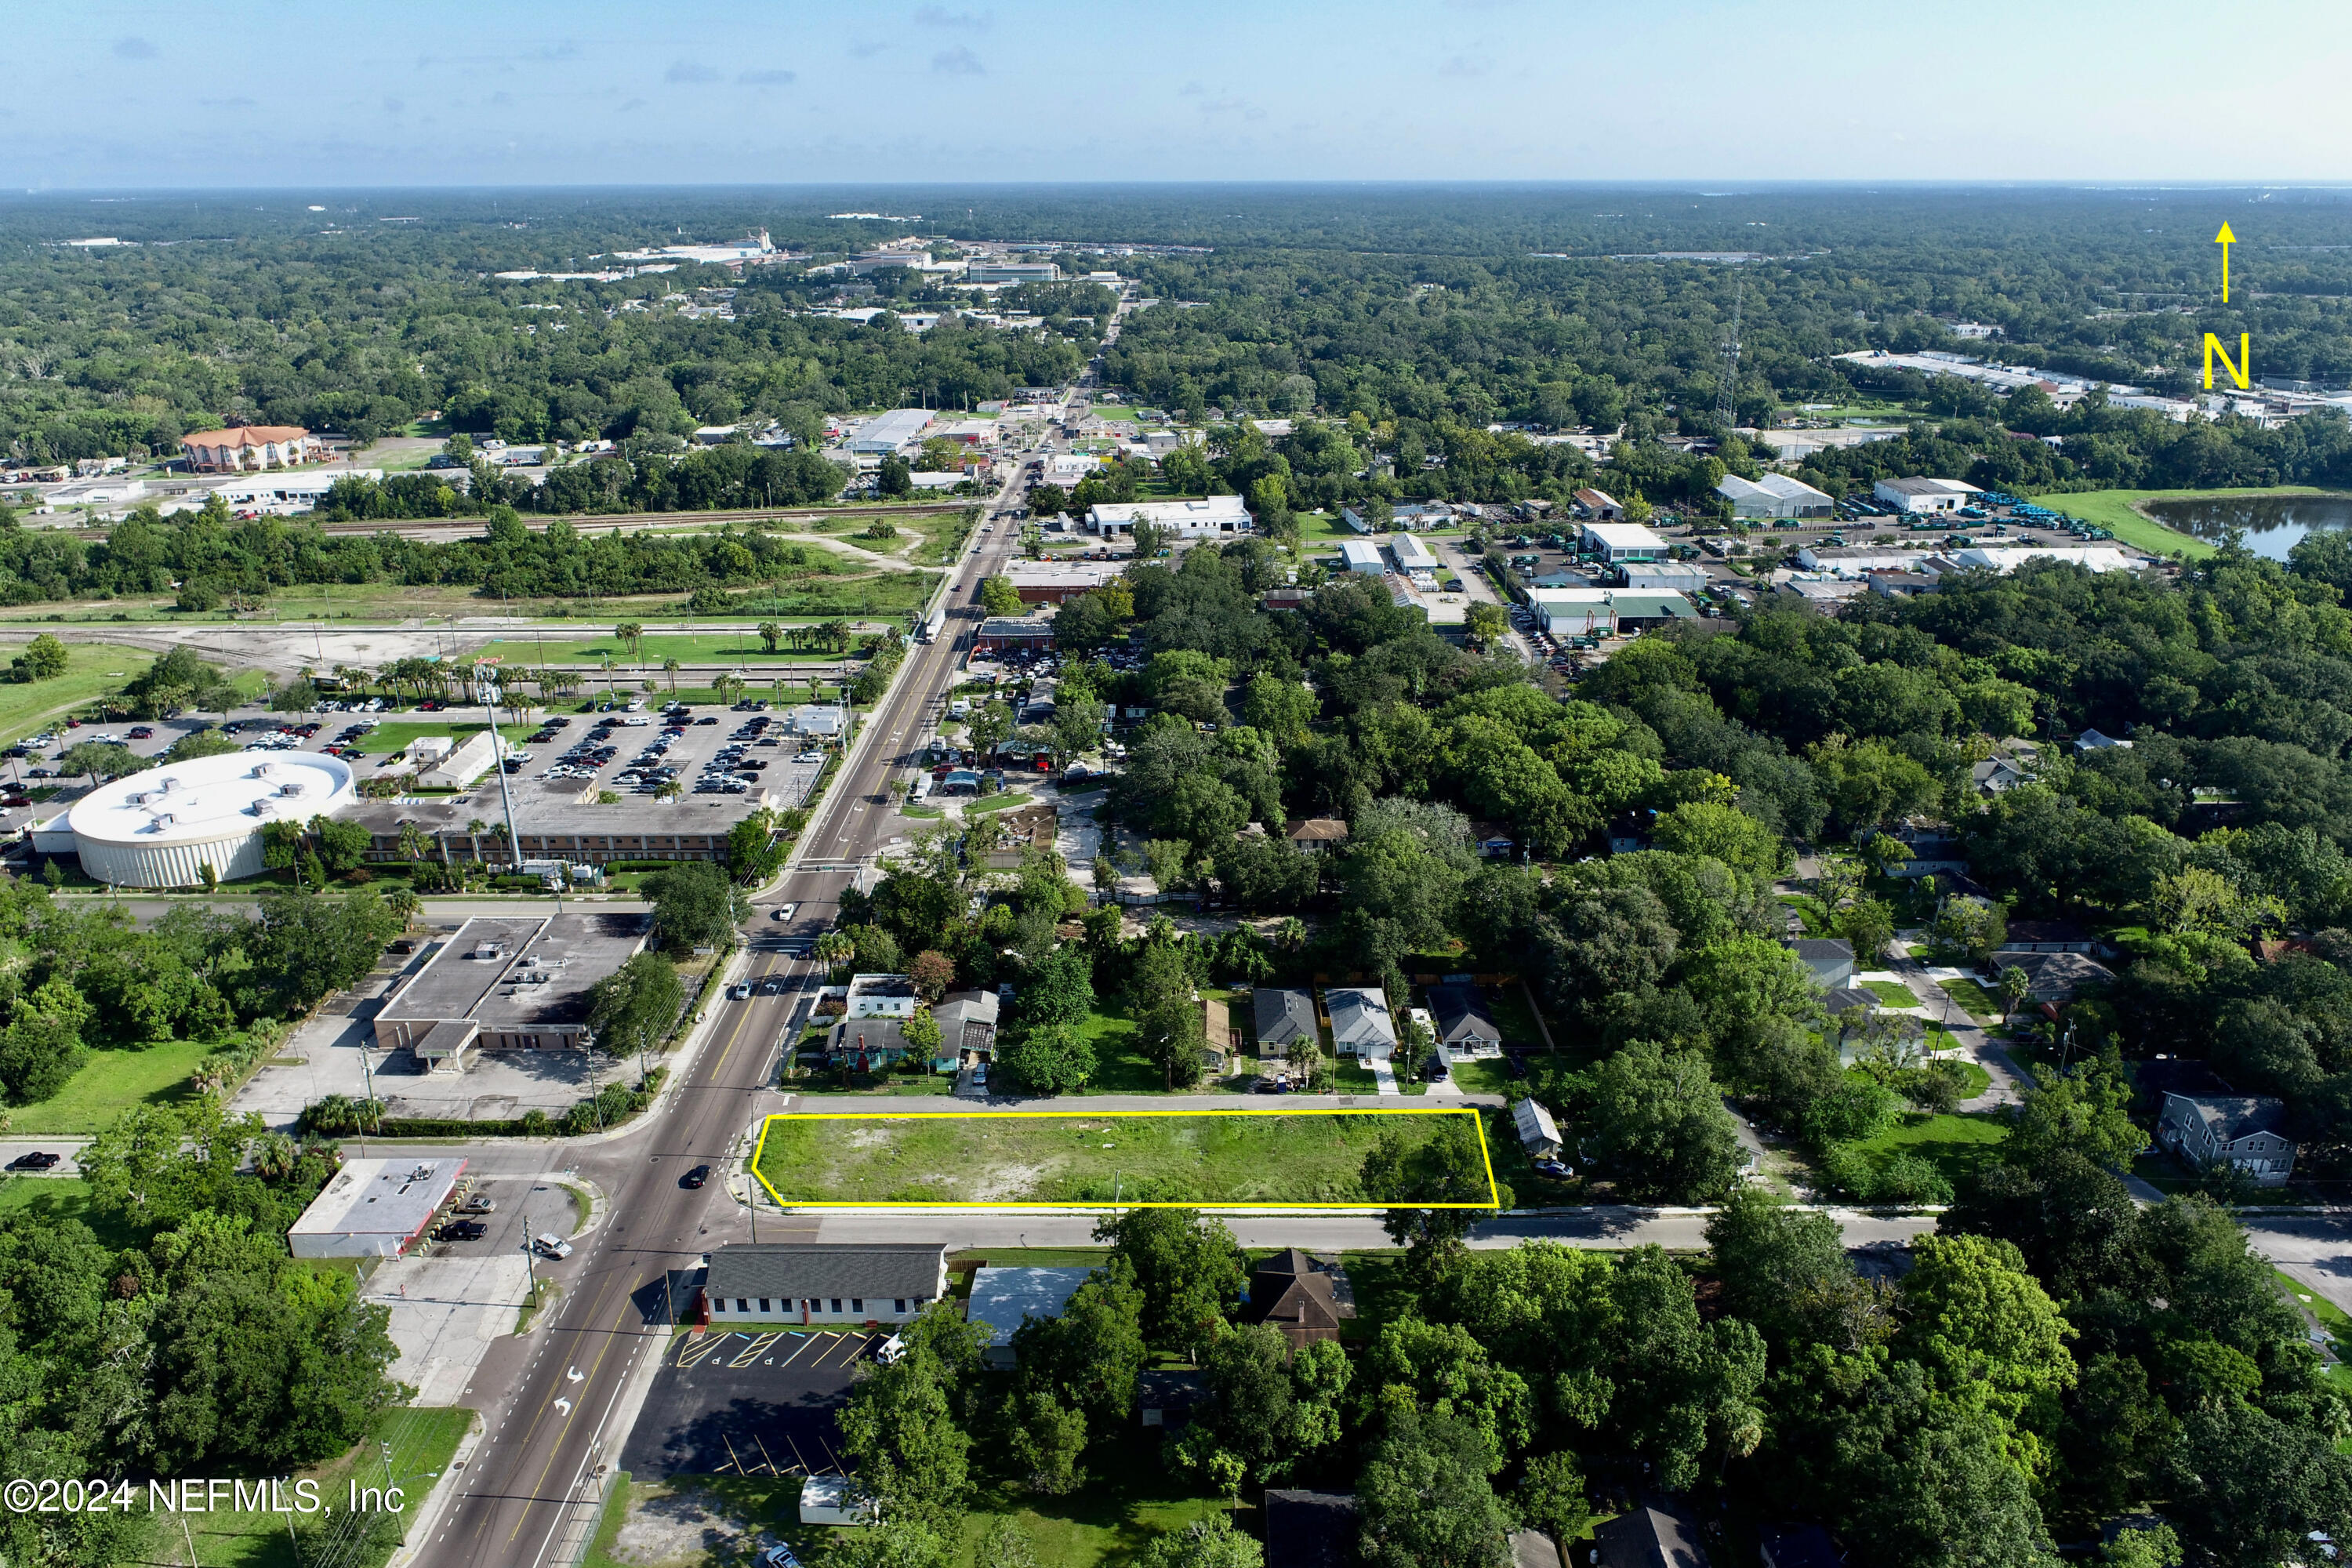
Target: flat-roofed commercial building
{"x": 1923, "y": 495}
{"x": 373, "y": 1208}
{"x": 885, "y": 433}
{"x": 164, "y": 827}
{"x": 511, "y": 983}
{"x": 1624, "y": 541}
{"x": 1185, "y": 519}
{"x": 1056, "y": 581}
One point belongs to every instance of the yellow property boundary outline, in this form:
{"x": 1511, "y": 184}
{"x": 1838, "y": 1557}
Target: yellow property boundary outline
{"x": 1477, "y": 1125}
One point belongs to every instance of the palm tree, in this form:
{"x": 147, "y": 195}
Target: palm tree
{"x": 670, "y": 668}
{"x": 273, "y": 1156}
{"x": 670, "y": 789}
{"x": 632, "y": 633}
{"x": 835, "y": 948}
{"x": 414, "y": 842}
{"x": 1291, "y": 933}
{"x": 405, "y": 904}
{"x": 771, "y": 634}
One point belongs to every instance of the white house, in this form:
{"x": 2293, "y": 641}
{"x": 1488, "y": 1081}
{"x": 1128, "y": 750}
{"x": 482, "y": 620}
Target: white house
{"x": 880, "y": 997}
{"x": 1185, "y": 519}
{"x": 1774, "y": 495}
{"x": 1924, "y": 495}
{"x": 1538, "y": 1133}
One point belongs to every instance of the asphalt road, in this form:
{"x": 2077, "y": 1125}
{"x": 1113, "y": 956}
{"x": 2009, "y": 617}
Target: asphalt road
{"x": 549, "y": 1398}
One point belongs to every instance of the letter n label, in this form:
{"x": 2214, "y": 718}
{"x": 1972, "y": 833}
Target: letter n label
{"x": 2238, "y": 372}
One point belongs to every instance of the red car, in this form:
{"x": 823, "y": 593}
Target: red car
{"x": 142, "y": 733}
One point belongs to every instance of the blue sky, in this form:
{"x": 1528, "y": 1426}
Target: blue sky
{"x": 203, "y": 93}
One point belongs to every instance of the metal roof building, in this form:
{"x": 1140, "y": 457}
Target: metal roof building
{"x": 1004, "y": 1298}
{"x": 162, "y": 827}
{"x": 885, "y": 433}
{"x": 510, "y": 982}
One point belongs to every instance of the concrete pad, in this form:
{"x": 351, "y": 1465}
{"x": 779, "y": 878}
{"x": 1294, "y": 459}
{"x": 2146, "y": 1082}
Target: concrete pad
{"x": 444, "y": 1313}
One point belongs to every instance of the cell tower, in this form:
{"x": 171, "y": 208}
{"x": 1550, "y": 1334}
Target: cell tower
{"x": 1729, "y": 378}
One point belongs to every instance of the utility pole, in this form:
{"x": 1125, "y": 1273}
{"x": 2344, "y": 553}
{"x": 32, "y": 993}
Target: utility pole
{"x": 488, "y": 684}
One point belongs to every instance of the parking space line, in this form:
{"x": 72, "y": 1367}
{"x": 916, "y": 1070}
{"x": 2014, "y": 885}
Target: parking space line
{"x": 753, "y": 1351}
{"x": 805, "y": 1340}
{"x": 694, "y": 1353}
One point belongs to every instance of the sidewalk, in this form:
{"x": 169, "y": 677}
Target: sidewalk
{"x": 2008, "y": 1086}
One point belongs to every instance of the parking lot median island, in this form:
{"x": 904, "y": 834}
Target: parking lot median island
{"x": 1241, "y": 1158}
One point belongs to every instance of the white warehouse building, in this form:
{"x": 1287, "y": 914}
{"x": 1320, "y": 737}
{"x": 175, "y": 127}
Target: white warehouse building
{"x": 161, "y": 828}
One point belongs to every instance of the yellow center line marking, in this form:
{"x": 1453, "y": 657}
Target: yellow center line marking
{"x": 556, "y": 1451}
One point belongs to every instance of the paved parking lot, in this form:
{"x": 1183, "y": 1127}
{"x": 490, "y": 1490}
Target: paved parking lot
{"x": 748, "y": 1404}
{"x": 524, "y": 1206}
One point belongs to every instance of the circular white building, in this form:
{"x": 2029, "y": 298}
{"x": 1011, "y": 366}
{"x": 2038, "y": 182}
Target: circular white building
{"x": 161, "y": 828}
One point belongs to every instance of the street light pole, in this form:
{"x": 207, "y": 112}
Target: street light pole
{"x": 491, "y": 694}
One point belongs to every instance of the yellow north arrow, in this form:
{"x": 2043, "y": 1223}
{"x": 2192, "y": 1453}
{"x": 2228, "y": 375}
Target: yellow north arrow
{"x": 2225, "y": 239}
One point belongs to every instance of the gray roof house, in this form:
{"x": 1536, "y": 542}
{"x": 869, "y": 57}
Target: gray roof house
{"x": 1360, "y": 1025}
{"x": 1005, "y": 1297}
{"x": 2054, "y": 977}
{"x": 1830, "y": 961}
{"x": 801, "y": 1282}
{"x": 1538, "y": 1133}
{"x": 1462, "y": 1017}
{"x": 967, "y": 1021}
{"x": 1285, "y": 1015}
{"x": 1646, "y": 1538}
{"x": 2243, "y": 1130}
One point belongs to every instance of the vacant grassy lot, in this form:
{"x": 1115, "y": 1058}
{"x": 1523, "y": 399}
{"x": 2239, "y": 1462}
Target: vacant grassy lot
{"x": 702, "y": 648}
{"x": 92, "y": 671}
{"x": 386, "y": 739}
{"x": 420, "y": 1443}
{"x": 1231, "y": 1157}
{"x": 1958, "y": 1145}
{"x": 1891, "y": 993}
{"x": 1981, "y": 1005}
{"x": 110, "y": 1084}
{"x": 2113, "y": 511}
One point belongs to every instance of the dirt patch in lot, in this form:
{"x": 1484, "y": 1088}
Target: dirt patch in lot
{"x": 674, "y": 1524}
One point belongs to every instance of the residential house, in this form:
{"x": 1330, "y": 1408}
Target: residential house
{"x": 1220, "y": 1040}
{"x": 1491, "y": 840}
{"x": 1004, "y": 1299}
{"x": 1166, "y": 1399}
{"x": 1285, "y": 1015}
{"x": 1829, "y": 961}
{"x": 779, "y": 1282}
{"x": 865, "y": 1045}
{"x": 2091, "y": 740}
{"x": 880, "y": 997}
{"x": 1461, "y": 1016}
{"x": 1799, "y": 1546}
{"x": 1629, "y": 834}
{"x": 1360, "y": 1024}
{"x": 1538, "y": 1133}
{"x": 1315, "y": 835}
{"x": 2050, "y": 936}
{"x": 2240, "y": 1130}
{"x": 2013, "y": 762}
{"x": 2053, "y": 979}
{"x": 967, "y": 1021}
{"x": 1647, "y": 1538}
{"x": 1310, "y": 1530}
{"x": 1302, "y": 1296}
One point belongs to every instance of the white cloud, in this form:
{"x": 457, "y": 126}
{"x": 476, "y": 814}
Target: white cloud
{"x": 687, "y": 73}
{"x": 958, "y": 61}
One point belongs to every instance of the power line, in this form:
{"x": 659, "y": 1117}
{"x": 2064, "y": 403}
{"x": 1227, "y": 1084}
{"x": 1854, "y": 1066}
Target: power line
{"x": 1731, "y": 374}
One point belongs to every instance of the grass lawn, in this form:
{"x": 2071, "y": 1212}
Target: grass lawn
{"x": 1981, "y": 1005}
{"x": 422, "y": 1441}
{"x": 1005, "y": 801}
{"x": 1958, "y": 1145}
{"x": 1893, "y": 992}
{"x": 1481, "y": 1076}
{"x": 386, "y": 739}
{"x": 2113, "y": 510}
{"x": 56, "y": 1198}
{"x": 943, "y": 536}
{"x": 1516, "y": 1016}
{"x": 1251, "y": 1157}
{"x": 110, "y": 1083}
{"x": 1979, "y": 1080}
{"x": 1323, "y": 525}
{"x": 1130, "y": 1496}
{"x": 92, "y": 671}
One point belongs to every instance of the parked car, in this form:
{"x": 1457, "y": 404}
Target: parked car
{"x": 1554, "y": 1169}
{"x": 38, "y": 1160}
{"x": 548, "y": 1246}
{"x": 478, "y": 1204}
{"x": 891, "y": 1351}
{"x": 694, "y": 1177}
{"x": 462, "y": 1230}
